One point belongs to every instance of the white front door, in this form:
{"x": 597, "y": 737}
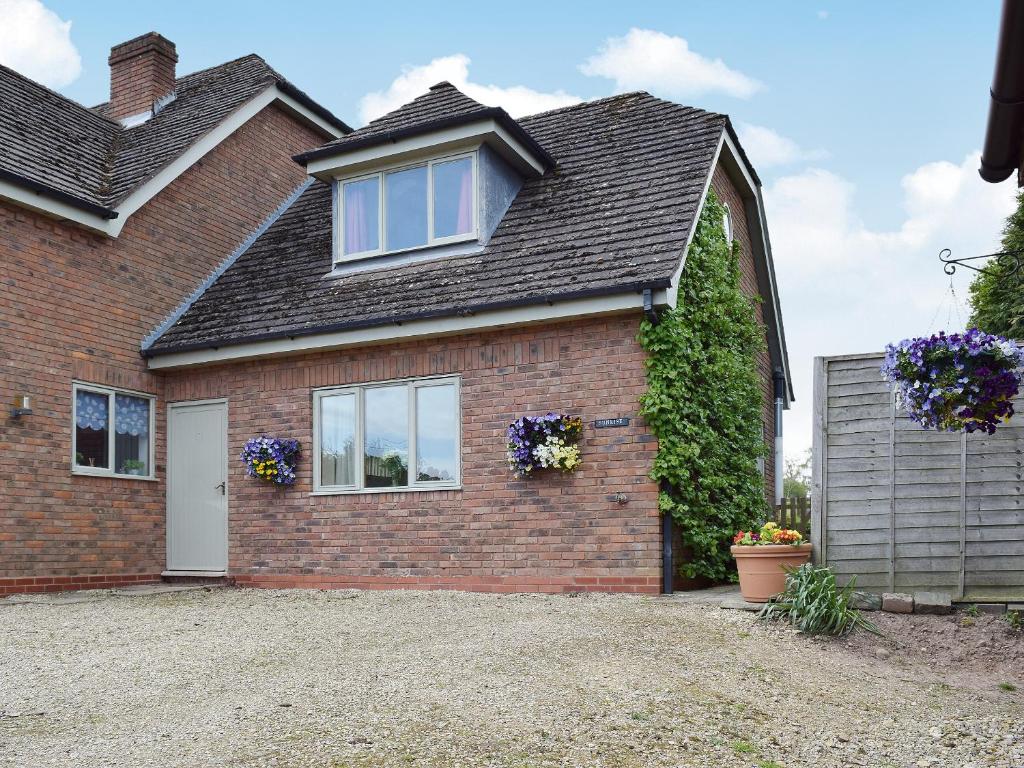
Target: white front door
{"x": 197, "y": 492}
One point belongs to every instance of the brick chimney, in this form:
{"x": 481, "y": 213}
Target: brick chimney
{"x": 141, "y": 72}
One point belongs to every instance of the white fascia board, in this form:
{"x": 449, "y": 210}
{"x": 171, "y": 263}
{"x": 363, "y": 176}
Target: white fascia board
{"x": 382, "y": 334}
{"x": 673, "y": 290}
{"x": 460, "y": 136}
{"x": 167, "y": 174}
{"x": 39, "y": 201}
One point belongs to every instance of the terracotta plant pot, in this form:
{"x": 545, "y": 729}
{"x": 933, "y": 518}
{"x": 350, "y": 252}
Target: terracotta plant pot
{"x": 761, "y": 568}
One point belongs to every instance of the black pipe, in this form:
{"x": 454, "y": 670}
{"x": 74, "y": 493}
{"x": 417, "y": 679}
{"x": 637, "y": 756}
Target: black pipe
{"x": 667, "y": 533}
{"x": 649, "y": 311}
{"x": 1004, "y": 135}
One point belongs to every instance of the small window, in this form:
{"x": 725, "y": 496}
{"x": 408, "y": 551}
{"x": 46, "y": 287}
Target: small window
{"x": 400, "y": 209}
{"x": 727, "y": 222}
{"x": 112, "y": 432}
{"x": 400, "y": 435}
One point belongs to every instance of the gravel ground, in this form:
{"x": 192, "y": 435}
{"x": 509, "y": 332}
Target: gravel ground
{"x": 308, "y": 678}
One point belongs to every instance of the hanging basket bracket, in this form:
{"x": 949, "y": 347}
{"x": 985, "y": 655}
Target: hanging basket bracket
{"x": 1011, "y": 260}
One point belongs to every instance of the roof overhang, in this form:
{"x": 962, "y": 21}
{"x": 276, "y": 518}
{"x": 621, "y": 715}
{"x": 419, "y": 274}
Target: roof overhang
{"x": 1003, "y": 152}
{"x": 490, "y": 126}
{"x": 614, "y": 301}
{"x": 110, "y": 221}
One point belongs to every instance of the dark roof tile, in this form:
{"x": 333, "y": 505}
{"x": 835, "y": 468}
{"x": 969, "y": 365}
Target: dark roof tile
{"x": 615, "y": 214}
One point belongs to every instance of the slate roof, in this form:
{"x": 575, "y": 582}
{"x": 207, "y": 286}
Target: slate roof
{"x": 614, "y": 215}
{"x": 54, "y": 143}
{"x": 442, "y": 106}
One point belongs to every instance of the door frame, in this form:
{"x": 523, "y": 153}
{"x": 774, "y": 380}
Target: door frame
{"x": 171, "y": 407}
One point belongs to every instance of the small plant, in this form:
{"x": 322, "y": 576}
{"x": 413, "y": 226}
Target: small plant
{"x": 768, "y": 764}
{"x": 544, "y": 442}
{"x": 743, "y": 747}
{"x": 814, "y": 604}
{"x": 1008, "y": 687}
{"x": 770, "y": 533}
{"x": 972, "y": 611}
{"x": 1014, "y": 620}
{"x": 271, "y": 459}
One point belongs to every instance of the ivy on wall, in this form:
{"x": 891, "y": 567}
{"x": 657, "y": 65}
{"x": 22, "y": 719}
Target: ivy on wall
{"x": 704, "y": 402}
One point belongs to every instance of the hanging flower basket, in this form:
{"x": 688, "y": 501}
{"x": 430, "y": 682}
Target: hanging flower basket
{"x": 544, "y": 442}
{"x": 271, "y": 459}
{"x": 960, "y": 382}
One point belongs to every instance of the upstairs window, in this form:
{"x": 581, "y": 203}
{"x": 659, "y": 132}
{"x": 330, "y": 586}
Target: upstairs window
{"x": 430, "y": 203}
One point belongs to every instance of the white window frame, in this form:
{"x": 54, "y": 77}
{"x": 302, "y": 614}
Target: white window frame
{"x": 382, "y": 214}
{"x": 111, "y": 432}
{"x": 359, "y": 391}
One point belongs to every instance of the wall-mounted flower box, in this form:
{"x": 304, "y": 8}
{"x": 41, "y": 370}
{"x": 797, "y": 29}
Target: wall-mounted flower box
{"x": 271, "y": 459}
{"x": 544, "y": 442}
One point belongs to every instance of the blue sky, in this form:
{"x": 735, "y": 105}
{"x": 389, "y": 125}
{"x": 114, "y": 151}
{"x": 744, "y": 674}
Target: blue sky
{"x": 861, "y": 117}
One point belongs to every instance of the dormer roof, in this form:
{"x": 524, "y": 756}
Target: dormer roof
{"x": 441, "y": 111}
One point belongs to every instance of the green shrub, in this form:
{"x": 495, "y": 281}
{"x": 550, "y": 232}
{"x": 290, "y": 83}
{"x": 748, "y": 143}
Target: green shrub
{"x": 813, "y": 603}
{"x": 703, "y": 402}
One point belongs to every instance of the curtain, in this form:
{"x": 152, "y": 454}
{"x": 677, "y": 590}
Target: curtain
{"x": 465, "y": 220}
{"x": 356, "y": 235}
{"x": 90, "y": 410}
{"x": 131, "y": 416}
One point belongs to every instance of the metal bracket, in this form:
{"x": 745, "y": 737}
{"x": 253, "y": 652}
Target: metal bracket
{"x": 1010, "y": 259}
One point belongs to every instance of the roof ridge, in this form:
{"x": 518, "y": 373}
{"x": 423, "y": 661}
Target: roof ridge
{"x": 616, "y": 97}
{"x": 62, "y": 97}
{"x": 227, "y": 63}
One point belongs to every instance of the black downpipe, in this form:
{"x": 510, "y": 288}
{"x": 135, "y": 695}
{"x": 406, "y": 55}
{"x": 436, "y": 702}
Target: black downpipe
{"x": 1005, "y": 133}
{"x": 649, "y": 311}
{"x": 668, "y": 532}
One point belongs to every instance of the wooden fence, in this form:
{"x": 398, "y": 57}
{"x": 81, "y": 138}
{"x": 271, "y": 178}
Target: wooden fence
{"x": 904, "y": 508}
{"x": 794, "y": 512}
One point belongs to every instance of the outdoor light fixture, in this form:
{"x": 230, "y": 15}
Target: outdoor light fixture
{"x": 22, "y": 406}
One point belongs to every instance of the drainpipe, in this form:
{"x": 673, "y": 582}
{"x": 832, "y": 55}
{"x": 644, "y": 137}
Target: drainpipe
{"x": 779, "y": 382}
{"x": 667, "y": 535}
{"x": 649, "y": 311}
{"x": 1005, "y": 132}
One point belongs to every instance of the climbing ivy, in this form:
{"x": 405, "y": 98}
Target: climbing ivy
{"x": 704, "y": 402}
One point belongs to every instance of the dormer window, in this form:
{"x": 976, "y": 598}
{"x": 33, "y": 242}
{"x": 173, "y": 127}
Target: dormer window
{"x": 410, "y": 206}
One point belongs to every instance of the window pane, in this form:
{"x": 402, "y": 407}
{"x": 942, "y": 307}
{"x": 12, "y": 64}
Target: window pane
{"x": 386, "y": 455}
{"x": 131, "y": 435}
{"x": 436, "y": 429}
{"x": 453, "y": 197}
{"x": 338, "y": 440}
{"x": 405, "y": 194}
{"x": 362, "y": 219}
{"x": 92, "y": 422}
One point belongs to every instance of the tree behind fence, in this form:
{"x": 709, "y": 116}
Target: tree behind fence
{"x": 794, "y": 512}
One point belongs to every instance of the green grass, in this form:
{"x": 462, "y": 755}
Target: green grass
{"x": 769, "y": 764}
{"x": 1009, "y": 687}
{"x": 972, "y": 611}
{"x": 743, "y": 747}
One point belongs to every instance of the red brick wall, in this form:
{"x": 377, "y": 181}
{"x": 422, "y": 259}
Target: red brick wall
{"x": 552, "y": 533}
{"x": 76, "y": 305}
{"x": 727, "y": 193}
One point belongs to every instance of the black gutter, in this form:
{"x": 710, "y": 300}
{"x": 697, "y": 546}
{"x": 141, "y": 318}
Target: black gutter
{"x": 314, "y": 107}
{"x": 156, "y": 351}
{"x": 64, "y": 197}
{"x": 1004, "y": 135}
{"x": 388, "y": 137}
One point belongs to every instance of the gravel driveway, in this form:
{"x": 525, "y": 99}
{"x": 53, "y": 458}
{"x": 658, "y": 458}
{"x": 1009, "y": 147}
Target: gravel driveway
{"x": 307, "y": 678}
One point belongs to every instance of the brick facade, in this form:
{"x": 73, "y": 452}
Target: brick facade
{"x": 551, "y": 533}
{"x": 76, "y": 305}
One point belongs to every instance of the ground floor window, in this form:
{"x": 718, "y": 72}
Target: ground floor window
{"x": 391, "y": 435}
{"x": 112, "y": 432}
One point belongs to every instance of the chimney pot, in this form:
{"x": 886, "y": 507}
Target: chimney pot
{"x": 141, "y": 73}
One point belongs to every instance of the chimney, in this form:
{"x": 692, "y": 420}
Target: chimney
{"x": 141, "y": 73}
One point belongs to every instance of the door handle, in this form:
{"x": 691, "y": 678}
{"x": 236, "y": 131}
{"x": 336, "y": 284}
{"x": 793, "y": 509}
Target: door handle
{"x": 223, "y": 488}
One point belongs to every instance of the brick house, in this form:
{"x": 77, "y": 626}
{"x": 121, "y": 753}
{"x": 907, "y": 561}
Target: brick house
{"x": 176, "y": 283}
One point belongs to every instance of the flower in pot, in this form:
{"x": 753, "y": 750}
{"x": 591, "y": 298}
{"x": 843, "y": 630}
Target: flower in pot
{"x": 762, "y": 558}
{"x": 133, "y": 467}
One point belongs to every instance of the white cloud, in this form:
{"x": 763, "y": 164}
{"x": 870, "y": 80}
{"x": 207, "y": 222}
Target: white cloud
{"x": 847, "y": 287}
{"x": 767, "y": 148}
{"x": 517, "y": 100}
{"x": 648, "y": 60}
{"x": 37, "y": 43}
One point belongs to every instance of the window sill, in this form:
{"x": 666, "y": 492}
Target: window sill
{"x": 372, "y": 491}
{"x": 78, "y": 472}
